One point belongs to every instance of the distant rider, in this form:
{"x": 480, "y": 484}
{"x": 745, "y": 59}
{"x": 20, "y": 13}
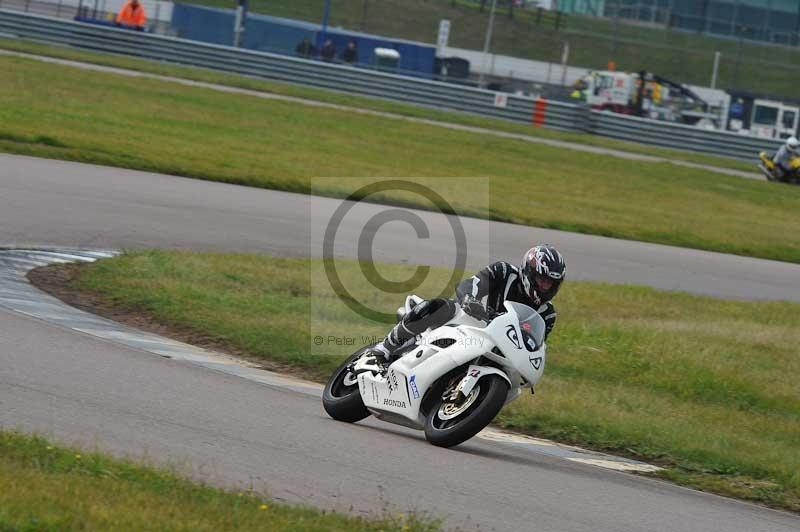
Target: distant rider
{"x": 783, "y": 158}
{"x": 534, "y": 283}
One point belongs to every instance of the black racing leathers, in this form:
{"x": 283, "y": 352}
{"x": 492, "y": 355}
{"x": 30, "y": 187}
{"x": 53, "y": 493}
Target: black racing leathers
{"x": 500, "y": 282}
{"x": 490, "y": 287}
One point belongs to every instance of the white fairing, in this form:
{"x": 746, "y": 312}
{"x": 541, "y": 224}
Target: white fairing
{"x": 398, "y": 396}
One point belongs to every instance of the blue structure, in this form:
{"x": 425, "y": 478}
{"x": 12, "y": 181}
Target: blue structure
{"x": 280, "y": 35}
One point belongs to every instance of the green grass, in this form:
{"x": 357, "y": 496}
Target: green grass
{"x": 683, "y": 56}
{"x": 50, "y": 487}
{"x": 375, "y": 104}
{"x": 703, "y": 386}
{"x": 62, "y": 112}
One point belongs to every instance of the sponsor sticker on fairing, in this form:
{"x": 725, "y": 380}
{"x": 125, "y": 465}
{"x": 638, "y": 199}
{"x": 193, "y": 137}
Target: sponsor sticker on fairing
{"x": 391, "y": 382}
{"x": 513, "y": 336}
{"x": 412, "y": 382}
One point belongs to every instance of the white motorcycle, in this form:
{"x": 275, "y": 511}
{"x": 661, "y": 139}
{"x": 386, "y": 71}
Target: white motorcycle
{"x": 451, "y": 382}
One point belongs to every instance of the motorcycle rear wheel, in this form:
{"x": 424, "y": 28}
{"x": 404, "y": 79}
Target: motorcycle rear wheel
{"x": 341, "y": 397}
{"x": 449, "y": 424}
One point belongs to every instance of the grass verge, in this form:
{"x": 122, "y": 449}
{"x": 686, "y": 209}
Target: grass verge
{"x": 62, "y": 112}
{"x": 49, "y": 487}
{"x": 375, "y": 104}
{"x": 704, "y": 387}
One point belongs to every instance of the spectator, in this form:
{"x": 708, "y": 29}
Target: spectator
{"x": 350, "y": 54}
{"x": 305, "y": 48}
{"x": 328, "y": 52}
{"x": 131, "y": 15}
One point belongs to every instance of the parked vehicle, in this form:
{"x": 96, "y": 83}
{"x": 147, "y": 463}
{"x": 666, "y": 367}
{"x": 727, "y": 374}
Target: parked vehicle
{"x": 451, "y": 382}
{"x": 762, "y": 116}
{"x": 646, "y": 95}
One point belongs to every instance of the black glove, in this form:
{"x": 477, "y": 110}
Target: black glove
{"x": 475, "y": 308}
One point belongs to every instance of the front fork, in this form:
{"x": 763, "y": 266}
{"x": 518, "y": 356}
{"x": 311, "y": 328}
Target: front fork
{"x": 474, "y": 374}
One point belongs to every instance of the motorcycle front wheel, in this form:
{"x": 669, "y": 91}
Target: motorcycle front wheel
{"x": 341, "y": 397}
{"x": 450, "y": 422}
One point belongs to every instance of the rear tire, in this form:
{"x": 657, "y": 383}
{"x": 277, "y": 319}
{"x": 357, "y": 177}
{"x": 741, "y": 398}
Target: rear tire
{"x": 341, "y": 397}
{"x": 479, "y": 412}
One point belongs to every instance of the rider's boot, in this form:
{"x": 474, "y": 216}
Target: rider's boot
{"x": 385, "y": 352}
{"x": 379, "y": 353}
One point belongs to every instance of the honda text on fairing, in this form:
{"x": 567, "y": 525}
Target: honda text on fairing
{"x": 451, "y": 381}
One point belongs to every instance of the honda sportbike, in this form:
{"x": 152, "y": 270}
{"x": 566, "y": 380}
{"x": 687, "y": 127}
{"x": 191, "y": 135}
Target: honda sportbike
{"x": 451, "y": 381}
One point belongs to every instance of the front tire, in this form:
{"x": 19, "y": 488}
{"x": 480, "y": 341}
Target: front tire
{"x": 451, "y": 423}
{"x": 341, "y": 397}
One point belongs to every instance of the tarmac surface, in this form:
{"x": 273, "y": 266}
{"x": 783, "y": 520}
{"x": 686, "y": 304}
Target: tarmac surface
{"x": 84, "y": 380}
{"x": 48, "y": 202}
{"x": 77, "y": 387}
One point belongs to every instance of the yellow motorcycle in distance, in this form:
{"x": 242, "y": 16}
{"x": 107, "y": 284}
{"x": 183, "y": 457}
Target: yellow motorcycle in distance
{"x": 767, "y": 167}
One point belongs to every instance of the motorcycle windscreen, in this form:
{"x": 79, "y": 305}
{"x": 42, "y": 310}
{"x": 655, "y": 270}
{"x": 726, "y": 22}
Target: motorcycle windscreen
{"x": 529, "y": 321}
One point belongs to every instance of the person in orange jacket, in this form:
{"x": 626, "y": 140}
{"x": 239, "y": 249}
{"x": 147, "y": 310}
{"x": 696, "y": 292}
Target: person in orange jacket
{"x": 131, "y": 15}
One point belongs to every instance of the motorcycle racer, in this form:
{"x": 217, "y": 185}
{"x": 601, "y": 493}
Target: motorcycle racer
{"x": 535, "y": 283}
{"x": 783, "y": 157}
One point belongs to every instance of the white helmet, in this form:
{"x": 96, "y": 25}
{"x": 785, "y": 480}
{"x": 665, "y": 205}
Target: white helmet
{"x": 792, "y": 144}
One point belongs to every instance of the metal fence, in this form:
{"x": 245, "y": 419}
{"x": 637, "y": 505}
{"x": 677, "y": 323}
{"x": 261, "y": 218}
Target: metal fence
{"x": 58, "y": 9}
{"x": 158, "y": 13}
{"x": 285, "y": 68}
{"x": 678, "y": 136}
{"x": 438, "y": 95}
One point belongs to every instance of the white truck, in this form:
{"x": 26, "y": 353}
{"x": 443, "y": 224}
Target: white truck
{"x": 645, "y": 94}
{"x": 764, "y": 118}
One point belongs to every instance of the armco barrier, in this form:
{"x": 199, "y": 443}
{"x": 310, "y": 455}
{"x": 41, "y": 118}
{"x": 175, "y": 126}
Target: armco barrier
{"x": 284, "y": 68}
{"x": 678, "y": 136}
{"x": 549, "y": 114}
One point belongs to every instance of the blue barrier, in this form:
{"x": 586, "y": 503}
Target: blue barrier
{"x": 280, "y": 35}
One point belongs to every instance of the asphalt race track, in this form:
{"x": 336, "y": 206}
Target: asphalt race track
{"x": 222, "y": 428}
{"x": 47, "y": 202}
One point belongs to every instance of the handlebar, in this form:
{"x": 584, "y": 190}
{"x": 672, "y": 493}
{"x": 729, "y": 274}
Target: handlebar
{"x": 474, "y": 308}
